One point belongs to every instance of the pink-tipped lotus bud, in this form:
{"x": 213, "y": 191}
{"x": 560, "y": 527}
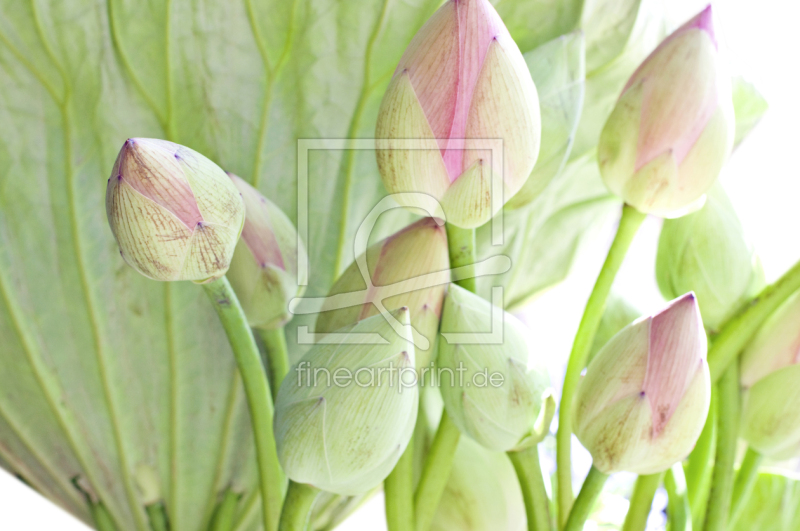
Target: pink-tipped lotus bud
{"x": 770, "y": 376}
{"x": 645, "y": 397}
{"x": 409, "y": 268}
{"x": 263, "y": 271}
{"x": 496, "y": 389}
{"x": 673, "y": 126}
{"x": 175, "y": 214}
{"x": 461, "y": 84}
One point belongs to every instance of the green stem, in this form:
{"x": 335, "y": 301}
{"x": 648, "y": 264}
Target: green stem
{"x": 592, "y": 487}
{"x": 102, "y": 518}
{"x": 224, "y": 515}
{"x": 277, "y": 357}
{"x": 738, "y": 330}
{"x": 679, "y": 514}
{"x": 743, "y": 487}
{"x": 435, "y": 472}
{"x": 398, "y": 490}
{"x": 297, "y": 507}
{"x": 259, "y": 399}
{"x": 628, "y": 225}
{"x": 529, "y": 472}
{"x": 719, "y": 501}
{"x": 157, "y": 515}
{"x": 641, "y": 501}
{"x": 461, "y": 244}
{"x": 700, "y": 465}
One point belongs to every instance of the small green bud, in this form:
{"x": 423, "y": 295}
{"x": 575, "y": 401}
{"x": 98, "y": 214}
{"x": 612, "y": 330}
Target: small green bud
{"x": 263, "y": 271}
{"x": 346, "y": 412}
{"x": 482, "y": 493}
{"x": 645, "y": 397}
{"x": 707, "y": 252}
{"x": 770, "y": 377}
{"x": 417, "y": 250}
{"x": 174, "y": 213}
{"x": 493, "y": 388}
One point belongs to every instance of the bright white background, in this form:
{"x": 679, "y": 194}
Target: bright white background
{"x": 762, "y": 179}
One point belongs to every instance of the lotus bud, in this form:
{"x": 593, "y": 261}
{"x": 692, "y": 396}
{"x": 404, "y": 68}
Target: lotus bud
{"x": 770, "y": 376}
{"x": 673, "y": 127}
{"x": 263, "y": 271}
{"x": 174, "y": 213}
{"x": 461, "y": 83}
{"x": 644, "y": 399}
{"x": 709, "y": 240}
{"x": 346, "y": 412}
{"x": 418, "y": 250}
{"x": 618, "y": 314}
{"x": 482, "y": 493}
{"x": 496, "y": 391}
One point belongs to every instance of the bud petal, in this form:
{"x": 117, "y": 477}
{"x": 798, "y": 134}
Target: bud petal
{"x": 345, "y": 436}
{"x": 461, "y": 79}
{"x": 673, "y": 126}
{"x": 515, "y": 411}
{"x": 645, "y": 396}
{"x": 174, "y": 213}
{"x": 711, "y": 239}
{"x": 263, "y": 271}
{"x": 419, "y": 249}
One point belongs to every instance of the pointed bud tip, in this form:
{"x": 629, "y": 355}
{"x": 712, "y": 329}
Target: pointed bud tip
{"x": 704, "y": 21}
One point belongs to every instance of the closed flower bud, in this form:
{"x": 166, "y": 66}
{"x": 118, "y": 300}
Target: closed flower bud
{"x": 174, "y": 213}
{"x": 482, "y": 493}
{"x": 644, "y": 399}
{"x": 496, "y": 392}
{"x": 263, "y": 271}
{"x": 673, "y": 126}
{"x": 709, "y": 240}
{"x": 770, "y": 376}
{"x": 461, "y": 81}
{"x": 346, "y": 412}
{"x": 417, "y": 250}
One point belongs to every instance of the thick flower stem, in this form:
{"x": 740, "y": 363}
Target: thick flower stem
{"x": 719, "y": 501}
{"x": 737, "y": 331}
{"x": 398, "y": 489}
{"x": 743, "y": 487}
{"x": 461, "y": 244}
{"x": 679, "y": 514}
{"x": 277, "y": 357}
{"x": 297, "y": 507}
{"x": 529, "y": 473}
{"x": 157, "y": 516}
{"x": 700, "y": 465}
{"x": 102, "y": 518}
{"x": 435, "y": 472}
{"x": 641, "y": 501}
{"x": 259, "y": 399}
{"x": 628, "y": 225}
{"x": 592, "y": 486}
{"x": 226, "y": 512}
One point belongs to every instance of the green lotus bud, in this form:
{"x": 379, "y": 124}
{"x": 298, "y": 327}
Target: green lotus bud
{"x": 770, "y": 376}
{"x": 707, "y": 252}
{"x": 263, "y": 271}
{"x": 645, "y": 397}
{"x": 482, "y": 493}
{"x": 174, "y": 213}
{"x": 461, "y": 82}
{"x": 493, "y": 387}
{"x": 673, "y": 127}
{"x": 346, "y": 412}
{"x": 417, "y": 250}
{"x": 773, "y": 505}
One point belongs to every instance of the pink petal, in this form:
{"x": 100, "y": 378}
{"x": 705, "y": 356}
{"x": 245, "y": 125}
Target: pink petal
{"x": 258, "y": 233}
{"x": 152, "y": 168}
{"x": 677, "y": 351}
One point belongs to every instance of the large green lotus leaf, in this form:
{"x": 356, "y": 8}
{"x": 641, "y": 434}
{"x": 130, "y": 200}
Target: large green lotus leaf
{"x": 749, "y": 106}
{"x": 557, "y": 69}
{"x": 543, "y": 239}
{"x": 534, "y": 22}
{"x": 608, "y": 25}
{"x": 774, "y": 504}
